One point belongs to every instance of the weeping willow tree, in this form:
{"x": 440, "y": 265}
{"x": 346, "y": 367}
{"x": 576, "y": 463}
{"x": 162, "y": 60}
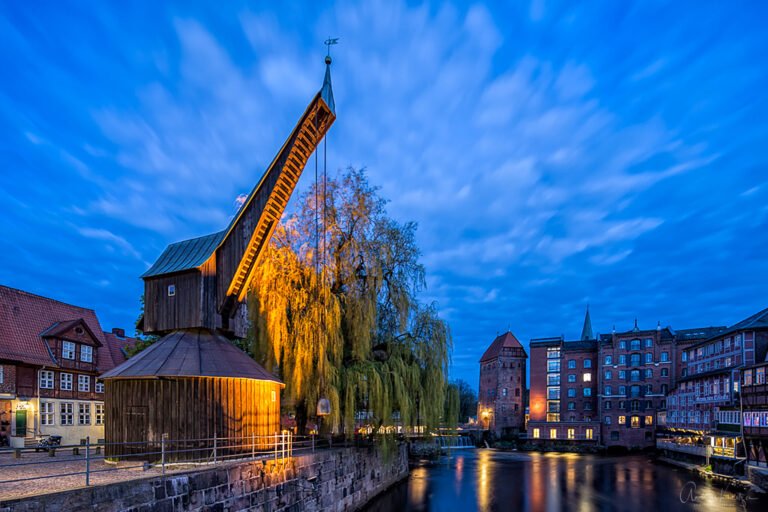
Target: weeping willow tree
{"x": 335, "y": 312}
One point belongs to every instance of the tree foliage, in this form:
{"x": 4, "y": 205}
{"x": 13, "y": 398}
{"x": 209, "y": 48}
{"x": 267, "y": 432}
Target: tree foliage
{"x": 338, "y": 316}
{"x": 467, "y": 400}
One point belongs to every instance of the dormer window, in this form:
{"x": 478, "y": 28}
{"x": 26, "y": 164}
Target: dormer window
{"x": 86, "y": 353}
{"x": 68, "y": 350}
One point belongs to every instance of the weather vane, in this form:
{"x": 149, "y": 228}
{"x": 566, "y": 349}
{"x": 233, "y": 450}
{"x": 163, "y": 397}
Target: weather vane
{"x": 328, "y": 42}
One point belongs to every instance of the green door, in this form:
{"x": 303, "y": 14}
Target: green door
{"x": 21, "y": 423}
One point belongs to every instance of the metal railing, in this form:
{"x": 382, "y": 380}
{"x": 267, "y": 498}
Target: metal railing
{"x": 91, "y": 459}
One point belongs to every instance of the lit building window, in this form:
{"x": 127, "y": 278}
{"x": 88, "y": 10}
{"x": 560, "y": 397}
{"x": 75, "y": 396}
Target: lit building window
{"x": 648, "y": 421}
{"x": 635, "y": 422}
{"x": 571, "y": 433}
{"x": 589, "y": 433}
{"x": 622, "y": 420}
{"x": 536, "y": 433}
{"x": 587, "y": 377}
{"x": 553, "y": 433}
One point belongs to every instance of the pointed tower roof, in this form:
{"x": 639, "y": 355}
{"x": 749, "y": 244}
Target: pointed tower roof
{"x": 586, "y": 331}
{"x": 327, "y": 91}
{"x": 506, "y": 340}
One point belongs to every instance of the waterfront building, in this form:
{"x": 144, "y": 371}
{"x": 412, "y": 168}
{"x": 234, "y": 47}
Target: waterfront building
{"x": 754, "y": 396}
{"x": 51, "y": 356}
{"x": 501, "y": 400}
{"x": 563, "y": 392}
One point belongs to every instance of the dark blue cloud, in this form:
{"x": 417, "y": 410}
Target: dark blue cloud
{"x": 553, "y": 154}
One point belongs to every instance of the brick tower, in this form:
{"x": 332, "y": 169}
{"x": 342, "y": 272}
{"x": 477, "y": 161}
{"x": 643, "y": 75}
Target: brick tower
{"x": 501, "y": 400}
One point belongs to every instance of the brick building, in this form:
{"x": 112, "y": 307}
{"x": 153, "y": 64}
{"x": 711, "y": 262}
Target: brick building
{"x": 501, "y": 400}
{"x": 563, "y": 393}
{"x": 754, "y": 391}
{"x": 51, "y": 355}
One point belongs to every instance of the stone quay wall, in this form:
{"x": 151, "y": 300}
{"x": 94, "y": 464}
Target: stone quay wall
{"x": 342, "y": 479}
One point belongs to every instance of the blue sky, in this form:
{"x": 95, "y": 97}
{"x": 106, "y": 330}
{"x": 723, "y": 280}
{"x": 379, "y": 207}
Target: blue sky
{"x": 553, "y": 154}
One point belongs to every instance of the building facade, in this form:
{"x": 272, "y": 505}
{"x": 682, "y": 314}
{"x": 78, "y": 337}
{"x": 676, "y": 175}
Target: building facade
{"x": 51, "y": 355}
{"x": 501, "y": 398}
{"x": 754, "y": 391}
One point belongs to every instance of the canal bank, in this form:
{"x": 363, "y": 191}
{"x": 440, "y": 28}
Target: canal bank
{"x": 341, "y": 479}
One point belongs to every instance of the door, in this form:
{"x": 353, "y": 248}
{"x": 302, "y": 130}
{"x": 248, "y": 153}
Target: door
{"x": 135, "y": 429}
{"x": 21, "y": 423}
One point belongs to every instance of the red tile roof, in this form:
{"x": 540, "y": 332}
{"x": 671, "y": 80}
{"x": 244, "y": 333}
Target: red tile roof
{"x": 24, "y": 317}
{"x": 506, "y": 340}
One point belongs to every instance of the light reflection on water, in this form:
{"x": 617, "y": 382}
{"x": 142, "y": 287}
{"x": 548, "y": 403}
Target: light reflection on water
{"x": 486, "y": 480}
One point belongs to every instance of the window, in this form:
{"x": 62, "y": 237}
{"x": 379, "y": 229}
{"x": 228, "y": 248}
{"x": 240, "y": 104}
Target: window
{"x": 622, "y": 390}
{"x": 553, "y": 380}
{"x": 622, "y": 374}
{"x": 66, "y": 412}
{"x": 622, "y": 359}
{"x": 553, "y": 406}
{"x": 648, "y": 421}
{"x": 634, "y": 391}
{"x": 635, "y": 422}
{"x": 622, "y": 344}
{"x": 760, "y": 375}
{"x": 571, "y": 392}
{"x": 99, "y": 413}
{"x": 587, "y": 377}
{"x": 68, "y": 350}
{"x": 607, "y": 420}
{"x": 587, "y": 363}
{"x": 622, "y": 420}
{"x": 553, "y": 366}
{"x": 608, "y": 359}
{"x": 607, "y": 391}
{"x": 571, "y": 433}
{"x": 587, "y": 407}
{"x": 65, "y": 384}
{"x": 665, "y": 357}
{"x": 553, "y": 418}
{"x": 648, "y": 357}
{"x": 553, "y": 433}
{"x": 517, "y": 391}
{"x": 747, "y": 377}
{"x": 553, "y": 353}
{"x": 634, "y": 345}
{"x": 648, "y": 373}
{"x": 587, "y": 391}
{"x": 536, "y": 433}
{"x": 84, "y": 383}
{"x": 171, "y": 290}
{"x": 634, "y": 376}
{"x": 635, "y": 359}
{"x": 684, "y": 356}
{"x": 2, "y": 374}
{"x": 503, "y": 391}
{"x": 46, "y": 379}
{"x": 607, "y": 405}
{"x": 648, "y": 342}
{"x": 99, "y": 387}
{"x": 553, "y": 393}
{"x": 84, "y": 413}
{"x": 571, "y": 406}
{"x": 86, "y": 353}
{"x": 648, "y": 389}
{"x": 589, "y": 433}
{"x": 608, "y": 374}
{"x": 665, "y": 372}
{"x": 664, "y": 389}
{"x": 571, "y": 364}
{"x": 572, "y": 378}
{"x": 46, "y": 413}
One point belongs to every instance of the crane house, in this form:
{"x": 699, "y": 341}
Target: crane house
{"x": 194, "y": 383}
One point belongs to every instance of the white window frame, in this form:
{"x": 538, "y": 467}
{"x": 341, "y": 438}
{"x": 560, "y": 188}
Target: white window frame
{"x": 83, "y": 413}
{"x": 47, "y": 413}
{"x": 66, "y": 413}
{"x": 86, "y": 350}
{"x": 68, "y": 350}
{"x": 98, "y": 413}
{"x": 99, "y": 386}
{"x": 65, "y": 381}
{"x": 46, "y": 379}
{"x": 84, "y": 383}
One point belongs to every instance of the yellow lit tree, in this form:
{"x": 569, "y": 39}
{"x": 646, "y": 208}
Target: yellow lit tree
{"x": 337, "y": 315}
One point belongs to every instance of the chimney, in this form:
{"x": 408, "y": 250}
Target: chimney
{"x": 120, "y": 333}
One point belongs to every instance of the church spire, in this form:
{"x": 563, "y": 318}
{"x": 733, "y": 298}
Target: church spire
{"x": 586, "y": 331}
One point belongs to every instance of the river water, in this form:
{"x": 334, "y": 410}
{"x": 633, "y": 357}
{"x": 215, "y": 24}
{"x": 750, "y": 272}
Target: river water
{"x": 487, "y": 480}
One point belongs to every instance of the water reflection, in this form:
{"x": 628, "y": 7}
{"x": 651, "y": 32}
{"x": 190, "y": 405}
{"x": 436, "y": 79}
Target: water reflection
{"x": 486, "y": 480}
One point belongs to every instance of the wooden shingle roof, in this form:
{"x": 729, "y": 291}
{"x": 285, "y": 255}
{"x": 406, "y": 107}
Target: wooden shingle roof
{"x": 191, "y": 353}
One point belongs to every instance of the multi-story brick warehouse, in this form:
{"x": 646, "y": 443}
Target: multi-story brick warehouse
{"x": 501, "y": 400}
{"x": 51, "y": 355}
{"x": 563, "y": 393}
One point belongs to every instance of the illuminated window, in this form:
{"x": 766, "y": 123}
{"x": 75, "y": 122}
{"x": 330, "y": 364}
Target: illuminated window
{"x": 622, "y": 420}
{"x": 589, "y": 433}
{"x": 571, "y": 433}
{"x": 536, "y": 433}
{"x": 553, "y": 418}
{"x": 648, "y": 420}
{"x": 747, "y": 377}
{"x": 635, "y": 422}
{"x": 553, "y": 433}
{"x": 587, "y": 377}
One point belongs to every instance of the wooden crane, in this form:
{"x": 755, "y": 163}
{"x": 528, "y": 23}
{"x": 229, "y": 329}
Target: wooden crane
{"x": 202, "y": 283}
